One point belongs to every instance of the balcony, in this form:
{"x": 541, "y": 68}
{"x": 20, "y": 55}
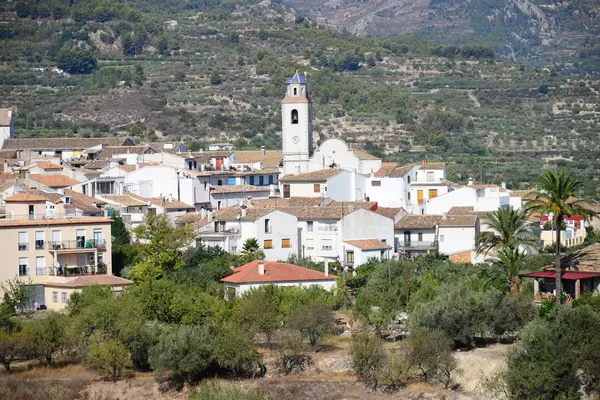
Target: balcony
{"x": 417, "y": 246}
{"x": 212, "y": 230}
{"x": 77, "y": 245}
{"x": 7, "y": 218}
{"x": 133, "y": 217}
{"x": 78, "y": 270}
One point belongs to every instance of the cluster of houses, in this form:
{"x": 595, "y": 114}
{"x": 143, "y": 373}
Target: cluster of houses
{"x": 331, "y": 203}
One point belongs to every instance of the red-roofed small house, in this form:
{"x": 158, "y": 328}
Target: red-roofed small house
{"x": 259, "y": 273}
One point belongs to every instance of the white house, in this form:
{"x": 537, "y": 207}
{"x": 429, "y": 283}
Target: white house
{"x": 276, "y": 231}
{"x": 335, "y": 153}
{"x": 390, "y": 185}
{"x": 228, "y": 196}
{"x": 337, "y": 184}
{"x": 259, "y": 273}
{"x": 416, "y": 234}
{"x": 358, "y": 252}
{"x": 457, "y": 234}
{"x": 480, "y": 197}
{"x": 428, "y": 183}
{"x": 7, "y": 125}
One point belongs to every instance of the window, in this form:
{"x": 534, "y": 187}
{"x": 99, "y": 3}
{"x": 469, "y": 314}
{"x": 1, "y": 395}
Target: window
{"x": 55, "y": 297}
{"x": 294, "y": 116}
{"x": 420, "y": 236}
{"x": 98, "y": 237}
{"x": 218, "y": 204}
{"x": 23, "y": 270}
{"x": 310, "y": 226}
{"x": 310, "y": 244}
{"x": 408, "y": 196}
{"x": 271, "y": 180}
{"x": 219, "y": 183}
{"x": 295, "y": 91}
{"x": 432, "y": 193}
{"x": 23, "y": 245}
{"x": 63, "y": 297}
{"x": 39, "y": 240}
{"x": 220, "y": 226}
{"x": 441, "y": 238}
{"x": 326, "y": 244}
{"x": 429, "y": 176}
{"x": 286, "y": 243}
{"x": 286, "y": 191}
{"x": 350, "y": 256}
{"x": 267, "y": 225}
{"x": 252, "y": 180}
{"x": 40, "y": 266}
{"x": 230, "y": 181}
{"x": 205, "y": 185}
{"x": 375, "y": 183}
{"x": 408, "y": 177}
{"x": 317, "y": 188}
{"x": 80, "y": 237}
{"x": 268, "y": 244}
{"x": 261, "y": 180}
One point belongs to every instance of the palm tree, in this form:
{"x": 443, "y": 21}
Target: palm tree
{"x": 510, "y": 236}
{"x": 251, "y": 251}
{"x": 556, "y": 198}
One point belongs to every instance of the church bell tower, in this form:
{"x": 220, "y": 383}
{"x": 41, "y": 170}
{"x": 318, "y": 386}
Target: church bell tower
{"x": 296, "y": 125}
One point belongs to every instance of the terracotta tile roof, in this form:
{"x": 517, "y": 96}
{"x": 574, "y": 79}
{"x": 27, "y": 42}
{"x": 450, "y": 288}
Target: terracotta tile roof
{"x": 5, "y": 116}
{"x": 368, "y": 244}
{"x": 389, "y": 212}
{"x": 60, "y": 143}
{"x": 459, "y": 220}
{"x": 393, "y": 170}
{"x": 269, "y": 159}
{"x": 486, "y": 186}
{"x": 461, "y": 210}
{"x": 110, "y": 152}
{"x": 25, "y": 197}
{"x": 279, "y": 202}
{"x": 316, "y": 176}
{"x": 204, "y": 157}
{"x": 131, "y": 168}
{"x": 86, "y": 204}
{"x": 238, "y": 189}
{"x": 97, "y": 164}
{"x": 166, "y": 147}
{"x": 92, "y": 280}
{"x": 275, "y": 272}
{"x": 47, "y": 166}
{"x": 62, "y": 221}
{"x": 169, "y": 205}
{"x": 54, "y": 181}
{"x": 523, "y": 194}
{"x": 331, "y": 212}
{"x": 434, "y": 165}
{"x": 8, "y": 155}
{"x": 418, "y": 221}
{"x": 125, "y": 200}
{"x": 363, "y": 155}
{"x": 232, "y": 213}
{"x": 584, "y": 260}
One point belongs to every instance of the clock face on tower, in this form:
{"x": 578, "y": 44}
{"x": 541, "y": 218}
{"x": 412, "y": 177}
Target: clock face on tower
{"x": 295, "y": 139}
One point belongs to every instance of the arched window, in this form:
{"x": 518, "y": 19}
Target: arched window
{"x": 295, "y": 91}
{"x": 294, "y": 116}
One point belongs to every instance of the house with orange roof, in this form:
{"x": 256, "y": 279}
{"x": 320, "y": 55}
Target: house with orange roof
{"x": 259, "y": 273}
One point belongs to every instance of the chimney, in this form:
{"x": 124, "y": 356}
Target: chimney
{"x": 209, "y": 215}
{"x": 444, "y": 216}
{"x": 262, "y": 150}
{"x": 202, "y": 213}
{"x": 471, "y": 181}
{"x": 326, "y": 268}
{"x": 424, "y": 162}
{"x": 170, "y": 198}
{"x": 6, "y": 171}
{"x": 503, "y": 185}
{"x": 261, "y": 268}
{"x": 249, "y": 202}
{"x": 244, "y": 212}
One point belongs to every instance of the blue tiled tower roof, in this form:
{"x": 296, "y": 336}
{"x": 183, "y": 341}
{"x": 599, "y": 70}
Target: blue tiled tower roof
{"x": 297, "y": 78}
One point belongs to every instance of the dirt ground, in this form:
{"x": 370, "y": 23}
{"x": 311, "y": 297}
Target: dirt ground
{"x": 328, "y": 377}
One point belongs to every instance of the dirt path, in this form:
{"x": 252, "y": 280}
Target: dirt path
{"x": 478, "y": 362}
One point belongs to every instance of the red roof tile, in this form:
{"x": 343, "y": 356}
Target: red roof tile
{"x": 54, "y": 181}
{"x": 275, "y": 272}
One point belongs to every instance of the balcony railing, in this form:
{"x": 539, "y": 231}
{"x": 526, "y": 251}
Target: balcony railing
{"x": 221, "y": 230}
{"x": 42, "y": 217}
{"x": 77, "y": 245}
{"x": 416, "y": 245}
{"x": 77, "y": 270}
{"x": 328, "y": 227}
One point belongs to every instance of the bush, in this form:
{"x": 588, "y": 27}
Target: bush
{"x": 312, "y": 321}
{"x": 76, "y": 60}
{"x": 47, "y": 336}
{"x": 431, "y": 353}
{"x": 182, "y": 354}
{"x": 368, "y": 357}
{"x": 109, "y": 357}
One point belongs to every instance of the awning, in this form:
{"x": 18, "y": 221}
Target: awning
{"x": 569, "y": 275}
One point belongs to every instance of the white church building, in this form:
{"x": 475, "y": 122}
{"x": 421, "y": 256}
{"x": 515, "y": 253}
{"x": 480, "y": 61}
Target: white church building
{"x": 299, "y": 155}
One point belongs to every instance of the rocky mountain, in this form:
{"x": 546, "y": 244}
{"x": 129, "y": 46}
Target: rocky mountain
{"x": 538, "y": 31}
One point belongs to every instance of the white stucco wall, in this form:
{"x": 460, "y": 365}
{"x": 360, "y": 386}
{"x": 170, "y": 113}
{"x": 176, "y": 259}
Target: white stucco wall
{"x": 461, "y": 197}
{"x": 234, "y": 199}
{"x": 167, "y": 159}
{"x": 283, "y": 226}
{"x": 157, "y": 181}
{"x": 366, "y": 224}
{"x": 323, "y": 232}
{"x": 453, "y": 240}
{"x": 240, "y": 289}
{"x": 336, "y": 151}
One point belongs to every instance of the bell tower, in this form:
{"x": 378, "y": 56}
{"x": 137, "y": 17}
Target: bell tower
{"x": 296, "y": 126}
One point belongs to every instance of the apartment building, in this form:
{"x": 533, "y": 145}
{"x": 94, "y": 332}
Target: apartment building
{"x": 48, "y": 248}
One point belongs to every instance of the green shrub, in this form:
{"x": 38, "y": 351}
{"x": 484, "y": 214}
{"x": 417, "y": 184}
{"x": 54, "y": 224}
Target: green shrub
{"x": 368, "y": 357}
{"x": 109, "y": 357}
{"x": 215, "y": 391}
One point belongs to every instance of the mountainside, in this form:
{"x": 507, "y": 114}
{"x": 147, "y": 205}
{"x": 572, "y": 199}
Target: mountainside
{"x": 205, "y": 71}
{"x": 539, "y": 31}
